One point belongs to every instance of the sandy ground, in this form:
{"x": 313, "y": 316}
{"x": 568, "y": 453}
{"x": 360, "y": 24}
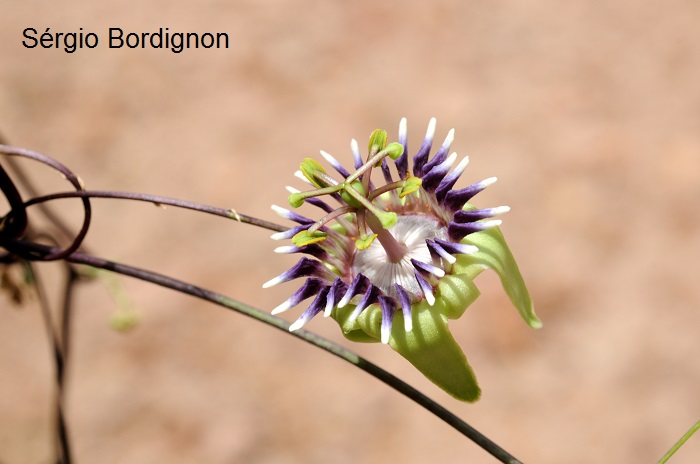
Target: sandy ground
{"x": 589, "y": 114}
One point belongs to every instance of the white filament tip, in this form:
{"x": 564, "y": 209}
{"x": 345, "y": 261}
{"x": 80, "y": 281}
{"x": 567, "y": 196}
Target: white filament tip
{"x": 298, "y": 324}
{"x": 281, "y": 308}
{"x": 386, "y": 331}
{"x": 449, "y": 139}
{"x": 450, "y": 160}
{"x": 429, "y": 297}
{"x": 272, "y": 282}
{"x": 285, "y": 249}
{"x": 300, "y": 175}
{"x": 431, "y": 129}
{"x": 280, "y": 211}
{"x": 492, "y": 223}
{"x": 462, "y": 164}
{"x": 489, "y": 181}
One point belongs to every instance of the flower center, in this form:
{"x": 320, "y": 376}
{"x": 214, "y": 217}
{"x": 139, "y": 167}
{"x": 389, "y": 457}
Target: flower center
{"x": 411, "y": 231}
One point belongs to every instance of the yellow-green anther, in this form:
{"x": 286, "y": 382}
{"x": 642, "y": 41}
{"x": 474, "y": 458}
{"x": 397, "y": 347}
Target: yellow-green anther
{"x": 310, "y": 168}
{"x": 296, "y": 199}
{"x": 364, "y": 242}
{"x": 411, "y": 185}
{"x": 394, "y": 150}
{"x": 378, "y": 140}
{"x": 304, "y": 238}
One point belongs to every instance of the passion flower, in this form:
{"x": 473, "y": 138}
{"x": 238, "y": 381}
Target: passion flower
{"x": 393, "y": 263}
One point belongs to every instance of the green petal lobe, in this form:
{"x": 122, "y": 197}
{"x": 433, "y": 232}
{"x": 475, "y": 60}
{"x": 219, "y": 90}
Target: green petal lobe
{"x": 430, "y": 347}
{"x": 494, "y": 253}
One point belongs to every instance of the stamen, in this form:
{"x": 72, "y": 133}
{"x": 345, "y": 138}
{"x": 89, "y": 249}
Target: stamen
{"x": 393, "y": 149}
{"x": 385, "y": 188}
{"x": 314, "y": 201}
{"x": 387, "y": 219}
{"x": 329, "y": 217}
{"x": 297, "y": 199}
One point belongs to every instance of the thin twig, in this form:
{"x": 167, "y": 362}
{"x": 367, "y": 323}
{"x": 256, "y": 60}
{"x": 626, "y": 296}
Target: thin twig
{"x": 66, "y": 314}
{"x": 158, "y": 201}
{"x": 62, "y": 442}
{"x": 74, "y": 181}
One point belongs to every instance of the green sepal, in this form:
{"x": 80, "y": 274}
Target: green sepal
{"x": 351, "y": 330}
{"x": 304, "y": 238}
{"x": 494, "y": 254}
{"x": 429, "y": 346}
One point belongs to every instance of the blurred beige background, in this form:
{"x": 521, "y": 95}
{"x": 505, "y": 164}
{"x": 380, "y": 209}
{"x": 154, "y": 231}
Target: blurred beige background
{"x": 589, "y": 114}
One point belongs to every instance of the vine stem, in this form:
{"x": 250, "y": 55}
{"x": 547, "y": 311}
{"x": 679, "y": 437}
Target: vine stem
{"x": 59, "y": 355}
{"x": 159, "y": 200}
{"x": 372, "y": 369}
